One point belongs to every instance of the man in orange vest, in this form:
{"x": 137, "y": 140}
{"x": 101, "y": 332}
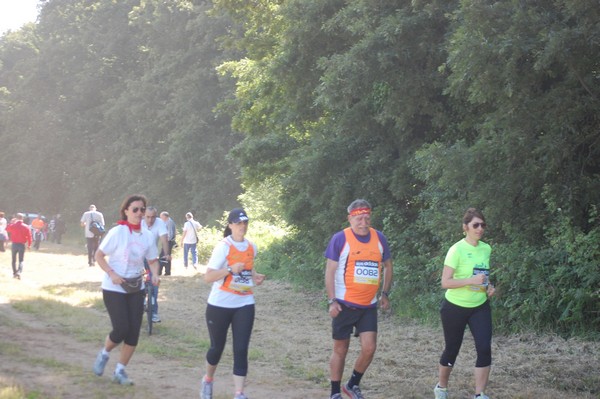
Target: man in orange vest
{"x": 358, "y": 259}
{"x": 38, "y": 226}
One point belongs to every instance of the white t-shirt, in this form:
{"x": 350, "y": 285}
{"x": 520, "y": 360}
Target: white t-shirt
{"x": 126, "y": 251}
{"x": 158, "y": 228}
{"x": 3, "y": 224}
{"x": 218, "y": 260}
{"x": 188, "y": 231}
{"x": 87, "y": 218}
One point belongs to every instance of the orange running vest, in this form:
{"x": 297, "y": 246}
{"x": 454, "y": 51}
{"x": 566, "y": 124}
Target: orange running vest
{"x": 239, "y": 284}
{"x": 361, "y": 263}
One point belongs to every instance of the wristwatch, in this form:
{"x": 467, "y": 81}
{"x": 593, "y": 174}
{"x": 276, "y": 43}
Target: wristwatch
{"x": 385, "y": 293}
{"x": 330, "y": 301}
{"x": 229, "y": 269}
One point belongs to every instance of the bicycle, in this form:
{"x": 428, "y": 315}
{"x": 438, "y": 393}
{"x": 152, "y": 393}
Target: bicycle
{"x": 149, "y": 301}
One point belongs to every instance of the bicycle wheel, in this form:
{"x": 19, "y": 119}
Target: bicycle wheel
{"x": 149, "y": 299}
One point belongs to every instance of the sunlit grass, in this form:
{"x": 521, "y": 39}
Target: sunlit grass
{"x": 17, "y": 392}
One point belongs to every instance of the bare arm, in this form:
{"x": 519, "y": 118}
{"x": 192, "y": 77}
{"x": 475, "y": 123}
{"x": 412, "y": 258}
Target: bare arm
{"x": 448, "y": 280}
{"x": 164, "y": 243}
{"x": 388, "y": 276}
{"x": 330, "y": 268}
{"x": 153, "y": 264}
{"x": 101, "y": 260}
{"x": 213, "y": 275}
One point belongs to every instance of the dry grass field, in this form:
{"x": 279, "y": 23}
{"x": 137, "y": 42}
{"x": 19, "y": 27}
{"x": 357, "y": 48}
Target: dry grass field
{"x": 53, "y": 321}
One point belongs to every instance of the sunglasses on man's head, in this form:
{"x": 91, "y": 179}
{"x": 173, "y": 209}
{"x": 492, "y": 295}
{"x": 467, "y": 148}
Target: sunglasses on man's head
{"x": 137, "y": 209}
{"x": 477, "y": 225}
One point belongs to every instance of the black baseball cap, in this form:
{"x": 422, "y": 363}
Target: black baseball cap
{"x": 237, "y": 215}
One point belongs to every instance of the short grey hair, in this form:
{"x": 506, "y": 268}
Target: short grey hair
{"x": 358, "y": 203}
{"x": 151, "y": 209}
{"x": 189, "y": 215}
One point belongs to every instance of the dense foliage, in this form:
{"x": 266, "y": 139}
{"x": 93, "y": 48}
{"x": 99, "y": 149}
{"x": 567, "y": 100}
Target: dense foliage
{"x": 423, "y": 108}
{"x": 102, "y": 99}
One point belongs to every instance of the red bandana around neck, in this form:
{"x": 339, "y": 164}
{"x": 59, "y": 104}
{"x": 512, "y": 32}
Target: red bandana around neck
{"x": 130, "y": 225}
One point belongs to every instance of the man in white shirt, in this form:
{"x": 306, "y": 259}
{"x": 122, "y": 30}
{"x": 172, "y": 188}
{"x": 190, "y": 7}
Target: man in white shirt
{"x": 159, "y": 232}
{"x": 189, "y": 239}
{"x": 172, "y": 233}
{"x": 92, "y": 240}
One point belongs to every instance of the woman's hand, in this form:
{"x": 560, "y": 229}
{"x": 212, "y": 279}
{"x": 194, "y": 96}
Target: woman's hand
{"x": 115, "y": 278}
{"x": 491, "y": 290}
{"x": 237, "y": 268}
{"x": 478, "y": 279}
{"x": 258, "y": 278}
{"x": 155, "y": 280}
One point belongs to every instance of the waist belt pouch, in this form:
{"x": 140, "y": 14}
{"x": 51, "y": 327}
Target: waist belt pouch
{"x": 132, "y": 284}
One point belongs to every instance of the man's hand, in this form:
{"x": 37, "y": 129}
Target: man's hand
{"x": 384, "y": 302}
{"x": 334, "y": 309}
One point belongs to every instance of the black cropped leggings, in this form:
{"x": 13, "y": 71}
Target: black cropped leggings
{"x": 454, "y": 320}
{"x": 218, "y": 321}
{"x": 126, "y": 312}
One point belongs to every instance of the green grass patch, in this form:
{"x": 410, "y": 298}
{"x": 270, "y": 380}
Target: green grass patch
{"x": 17, "y": 392}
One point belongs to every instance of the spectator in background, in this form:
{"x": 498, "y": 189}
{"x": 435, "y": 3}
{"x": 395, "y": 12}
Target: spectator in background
{"x": 52, "y": 228}
{"x": 159, "y": 234}
{"x": 189, "y": 239}
{"x": 92, "y": 240}
{"x": 59, "y": 228}
{"x": 171, "y": 234}
{"x": 20, "y": 234}
{"x": 39, "y": 226}
{"x": 3, "y": 234}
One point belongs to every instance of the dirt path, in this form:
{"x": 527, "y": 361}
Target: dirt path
{"x": 51, "y": 356}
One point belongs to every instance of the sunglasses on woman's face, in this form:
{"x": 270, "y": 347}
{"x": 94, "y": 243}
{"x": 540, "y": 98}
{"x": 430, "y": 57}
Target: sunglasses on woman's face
{"x": 478, "y": 225}
{"x": 136, "y": 209}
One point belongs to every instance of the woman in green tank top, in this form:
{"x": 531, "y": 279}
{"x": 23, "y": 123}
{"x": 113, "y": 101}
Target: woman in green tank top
{"x": 466, "y": 280}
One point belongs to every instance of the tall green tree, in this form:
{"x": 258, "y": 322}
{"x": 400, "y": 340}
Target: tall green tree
{"x": 525, "y": 78}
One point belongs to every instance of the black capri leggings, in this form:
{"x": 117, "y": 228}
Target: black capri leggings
{"x": 126, "y": 312}
{"x": 241, "y": 320}
{"x": 454, "y": 320}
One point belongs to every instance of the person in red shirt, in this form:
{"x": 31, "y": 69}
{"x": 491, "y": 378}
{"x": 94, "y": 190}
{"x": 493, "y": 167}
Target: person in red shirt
{"x": 20, "y": 234}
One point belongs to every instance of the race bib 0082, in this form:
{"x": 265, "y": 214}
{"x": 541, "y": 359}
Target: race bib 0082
{"x": 366, "y": 272}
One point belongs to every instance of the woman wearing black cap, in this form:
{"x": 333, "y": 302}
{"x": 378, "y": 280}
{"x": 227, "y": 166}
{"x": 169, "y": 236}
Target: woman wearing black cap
{"x": 231, "y": 301}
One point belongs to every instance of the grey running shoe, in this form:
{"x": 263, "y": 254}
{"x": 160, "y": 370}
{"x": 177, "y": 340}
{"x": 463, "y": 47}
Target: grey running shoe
{"x": 481, "y": 396}
{"x": 122, "y": 378}
{"x": 155, "y": 318}
{"x": 353, "y": 392}
{"x": 240, "y": 396}
{"x": 206, "y": 390}
{"x": 440, "y": 393}
{"x": 336, "y": 396}
{"x": 100, "y": 363}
